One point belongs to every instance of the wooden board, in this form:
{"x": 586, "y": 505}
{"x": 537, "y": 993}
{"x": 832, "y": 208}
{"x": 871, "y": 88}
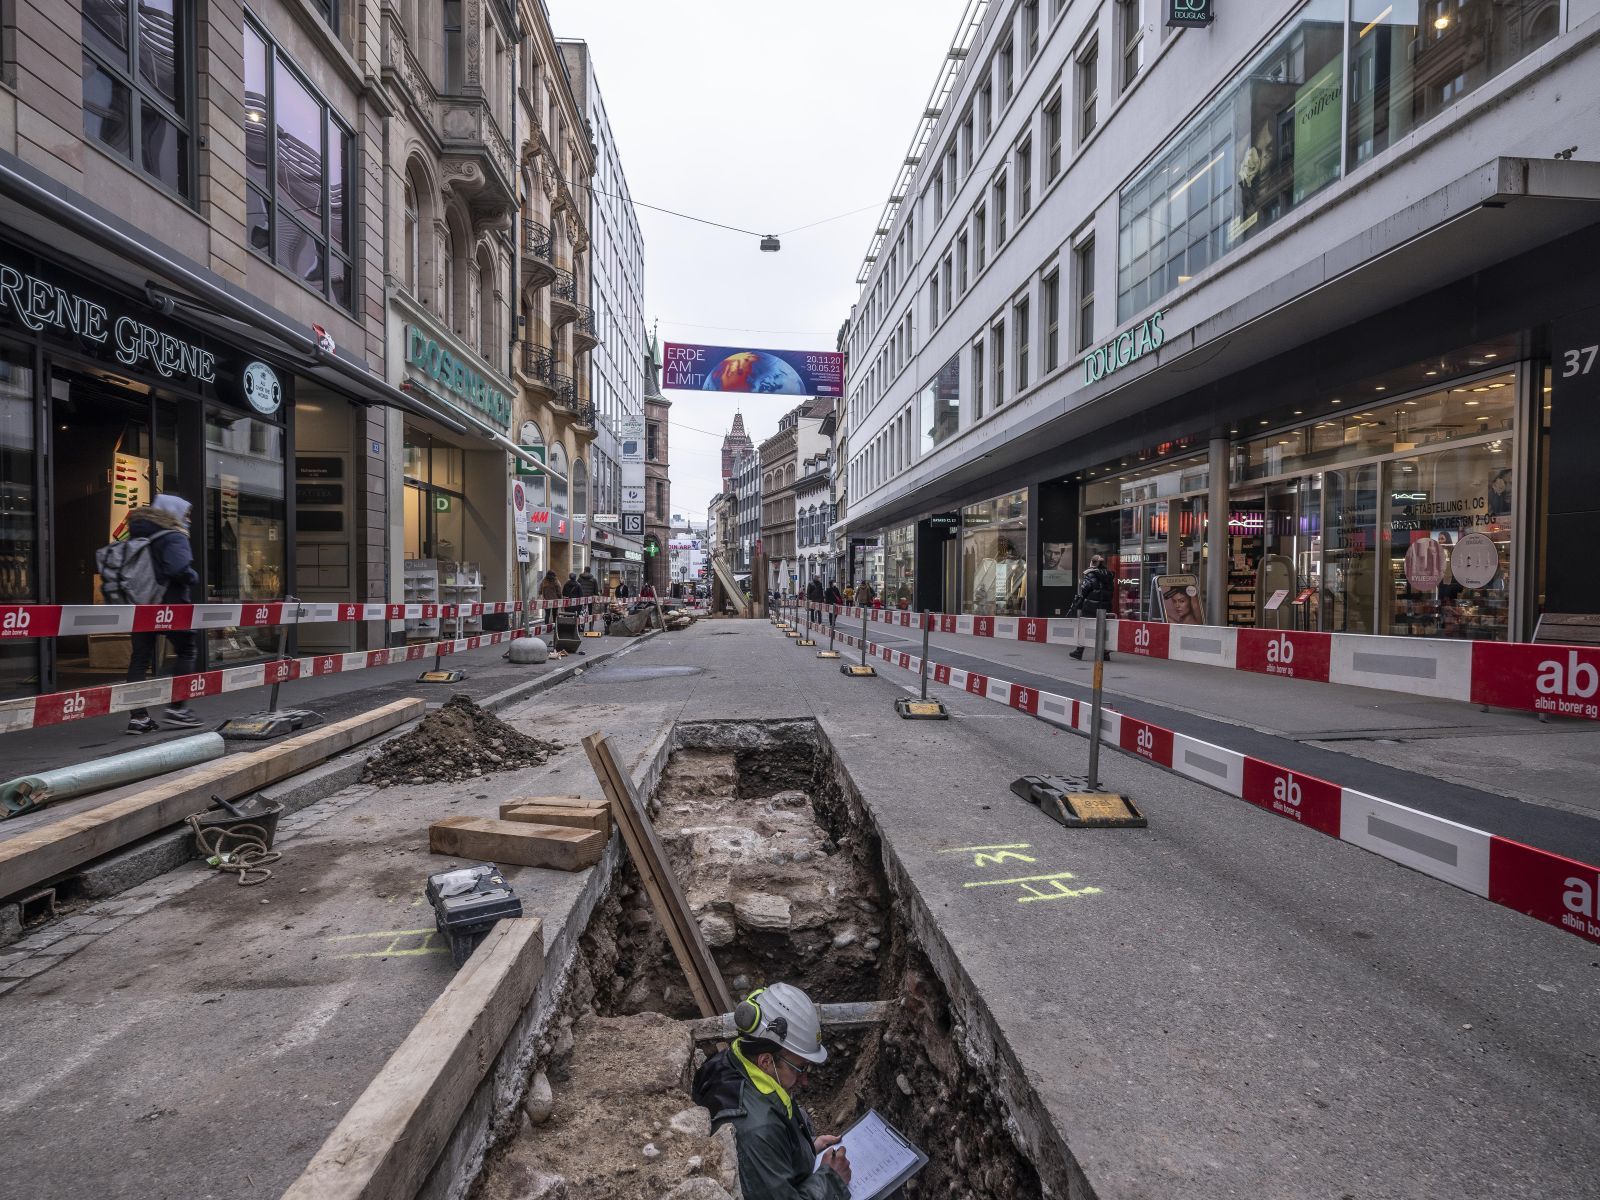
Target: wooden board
{"x": 389, "y": 1140}
{"x": 555, "y": 801}
{"x": 56, "y": 848}
{"x": 598, "y": 817}
{"x": 517, "y": 842}
{"x": 661, "y": 885}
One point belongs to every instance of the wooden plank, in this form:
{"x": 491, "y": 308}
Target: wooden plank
{"x": 59, "y": 846}
{"x": 851, "y": 1014}
{"x": 387, "y": 1143}
{"x": 556, "y": 802}
{"x": 598, "y": 817}
{"x": 517, "y": 842}
{"x": 661, "y": 884}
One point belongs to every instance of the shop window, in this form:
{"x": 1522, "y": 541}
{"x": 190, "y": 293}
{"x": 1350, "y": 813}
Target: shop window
{"x": 19, "y": 520}
{"x": 899, "y": 566}
{"x": 244, "y": 524}
{"x": 1260, "y": 150}
{"x": 1350, "y": 561}
{"x": 137, "y": 99}
{"x": 994, "y": 538}
{"x": 298, "y": 163}
{"x": 940, "y": 417}
{"x": 1410, "y": 62}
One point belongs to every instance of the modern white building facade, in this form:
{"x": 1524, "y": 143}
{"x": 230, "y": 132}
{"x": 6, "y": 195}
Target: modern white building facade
{"x": 1261, "y": 305}
{"x": 616, "y": 364}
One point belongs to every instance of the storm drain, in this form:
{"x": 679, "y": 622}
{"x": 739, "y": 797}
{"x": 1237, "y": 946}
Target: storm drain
{"x": 784, "y": 872}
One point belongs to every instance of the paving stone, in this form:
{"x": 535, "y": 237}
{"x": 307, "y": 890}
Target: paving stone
{"x": 30, "y": 966}
{"x": 69, "y": 945}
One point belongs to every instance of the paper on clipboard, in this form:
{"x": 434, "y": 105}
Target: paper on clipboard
{"x": 880, "y": 1158}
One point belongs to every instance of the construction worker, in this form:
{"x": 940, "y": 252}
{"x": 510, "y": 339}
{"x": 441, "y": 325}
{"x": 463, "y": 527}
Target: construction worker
{"x": 751, "y": 1086}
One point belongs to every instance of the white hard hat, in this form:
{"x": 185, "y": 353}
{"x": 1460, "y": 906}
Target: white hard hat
{"x": 784, "y": 1014}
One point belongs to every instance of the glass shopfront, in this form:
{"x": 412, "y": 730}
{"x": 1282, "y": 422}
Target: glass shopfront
{"x": 994, "y": 560}
{"x": 1147, "y": 522}
{"x": 899, "y": 566}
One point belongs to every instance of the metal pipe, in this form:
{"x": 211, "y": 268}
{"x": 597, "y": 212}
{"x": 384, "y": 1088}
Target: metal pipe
{"x": 35, "y": 791}
{"x": 1095, "y": 717}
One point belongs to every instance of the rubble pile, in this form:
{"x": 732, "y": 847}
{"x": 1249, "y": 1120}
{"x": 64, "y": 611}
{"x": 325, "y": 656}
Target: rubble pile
{"x": 455, "y": 742}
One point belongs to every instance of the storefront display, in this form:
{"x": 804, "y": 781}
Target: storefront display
{"x": 899, "y": 566}
{"x": 994, "y": 563}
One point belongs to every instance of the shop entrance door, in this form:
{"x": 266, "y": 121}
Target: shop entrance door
{"x": 124, "y": 451}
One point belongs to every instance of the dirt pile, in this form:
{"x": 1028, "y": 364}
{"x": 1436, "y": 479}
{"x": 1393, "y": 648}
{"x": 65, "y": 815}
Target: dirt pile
{"x": 455, "y": 742}
{"x": 617, "y": 1122}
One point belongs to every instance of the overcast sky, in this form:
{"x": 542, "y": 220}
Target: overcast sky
{"x": 766, "y": 116}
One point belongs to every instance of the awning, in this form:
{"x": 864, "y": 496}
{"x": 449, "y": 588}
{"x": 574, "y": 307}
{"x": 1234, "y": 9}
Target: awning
{"x": 54, "y": 215}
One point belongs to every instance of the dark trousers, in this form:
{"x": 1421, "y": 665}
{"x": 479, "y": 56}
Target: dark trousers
{"x": 144, "y": 653}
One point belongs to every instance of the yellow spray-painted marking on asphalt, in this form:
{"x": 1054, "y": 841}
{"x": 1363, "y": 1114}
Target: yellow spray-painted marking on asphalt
{"x": 394, "y": 948}
{"x": 1038, "y": 887}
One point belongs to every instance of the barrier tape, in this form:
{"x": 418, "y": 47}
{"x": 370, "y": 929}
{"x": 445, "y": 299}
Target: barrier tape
{"x": 72, "y": 620}
{"x": 1556, "y": 680}
{"x": 1549, "y": 887}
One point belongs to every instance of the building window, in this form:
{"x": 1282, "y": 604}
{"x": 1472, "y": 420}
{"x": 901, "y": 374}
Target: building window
{"x": 329, "y": 10}
{"x": 455, "y": 51}
{"x": 997, "y": 361}
{"x": 998, "y": 195}
{"x": 1030, "y": 30}
{"x": 961, "y": 263}
{"x": 661, "y": 499}
{"x": 933, "y": 300}
{"x": 946, "y": 281}
{"x": 650, "y": 442}
{"x": 1052, "y": 321}
{"x": 1024, "y": 178}
{"x": 980, "y": 239}
{"x": 985, "y": 105}
{"x": 297, "y": 163}
{"x": 1007, "y": 64}
{"x": 136, "y": 95}
{"x": 1052, "y": 138}
{"x": 1130, "y": 39}
{"x": 940, "y": 417}
{"x": 977, "y": 379}
{"x": 1022, "y": 336}
{"x": 938, "y": 196}
{"x": 1088, "y": 84}
{"x": 966, "y": 144}
{"x": 1083, "y": 267}
{"x": 412, "y": 247}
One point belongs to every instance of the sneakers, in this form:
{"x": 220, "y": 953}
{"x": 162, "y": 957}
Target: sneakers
{"x": 1077, "y": 654}
{"x": 142, "y": 725}
{"x": 181, "y": 718}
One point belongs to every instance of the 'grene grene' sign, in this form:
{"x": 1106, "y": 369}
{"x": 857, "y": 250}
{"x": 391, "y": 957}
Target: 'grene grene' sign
{"x": 426, "y": 356}
{"x": 1130, "y": 344}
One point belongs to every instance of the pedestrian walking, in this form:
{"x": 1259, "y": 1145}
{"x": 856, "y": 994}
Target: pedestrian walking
{"x": 864, "y": 594}
{"x": 155, "y": 565}
{"x": 849, "y": 595}
{"x": 833, "y": 597}
{"x": 1094, "y": 594}
{"x": 814, "y": 595}
{"x": 622, "y": 590}
{"x": 572, "y": 589}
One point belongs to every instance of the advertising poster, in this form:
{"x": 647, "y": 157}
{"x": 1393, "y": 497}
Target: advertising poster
{"x": 519, "y": 510}
{"x": 630, "y": 433}
{"x": 1178, "y": 600}
{"x": 1056, "y": 570}
{"x": 697, "y": 368}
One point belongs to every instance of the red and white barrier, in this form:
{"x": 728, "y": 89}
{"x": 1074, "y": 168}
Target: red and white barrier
{"x": 1555, "y": 679}
{"x": 71, "y": 620}
{"x": 1549, "y": 887}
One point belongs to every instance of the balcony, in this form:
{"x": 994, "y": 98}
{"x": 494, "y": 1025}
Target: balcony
{"x": 564, "y": 304}
{"x": 538, "y": 368}
{"x": 538, "y": 254}
{"x": 564, "y": 391}
{"x": 584, "y": 334}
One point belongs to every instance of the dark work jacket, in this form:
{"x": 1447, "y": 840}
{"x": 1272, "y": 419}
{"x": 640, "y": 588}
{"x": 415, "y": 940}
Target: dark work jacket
{"x": 169, "y": 548}
{"x": 833, "y": 596}
{"x": 775, "y": 1154}
{"x": 588, "y": 585}
{"x": 1094, "y": 591}
{"x": 571, "y": 589}
{"x": 814, "y": 592}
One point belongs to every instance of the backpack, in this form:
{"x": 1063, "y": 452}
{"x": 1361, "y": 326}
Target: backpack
{"x": 128, "y": 573}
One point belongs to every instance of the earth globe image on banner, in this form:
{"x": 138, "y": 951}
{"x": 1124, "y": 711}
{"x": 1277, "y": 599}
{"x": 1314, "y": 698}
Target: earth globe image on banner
{"x": 754, "y": 371}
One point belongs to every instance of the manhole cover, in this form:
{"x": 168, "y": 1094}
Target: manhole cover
{"x": 638, "y": 674}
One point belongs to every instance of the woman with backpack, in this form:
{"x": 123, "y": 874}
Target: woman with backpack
{"x": 1094, "y": 594}
{"x": 155, "y": 565}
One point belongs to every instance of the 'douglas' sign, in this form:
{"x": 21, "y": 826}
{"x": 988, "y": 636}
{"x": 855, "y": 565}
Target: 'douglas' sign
{"x": 1183, "y": 13}
{"x": 1126, "y": 347}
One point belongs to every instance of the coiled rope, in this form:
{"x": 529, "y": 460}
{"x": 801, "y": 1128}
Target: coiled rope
{"x": 249, "y": 856}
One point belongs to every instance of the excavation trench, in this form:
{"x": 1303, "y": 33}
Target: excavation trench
{"x": 783, "y": 869}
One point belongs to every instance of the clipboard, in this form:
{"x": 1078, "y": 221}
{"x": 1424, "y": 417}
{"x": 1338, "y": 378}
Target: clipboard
{"x": 881, "y": 1159}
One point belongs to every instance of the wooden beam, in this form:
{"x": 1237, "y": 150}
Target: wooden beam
{"x": 594, "y": 815}
{"x": 57, "y": 847}
{"x": 519, "y": 843}
{"x": 387, "y": 1143}
{"x": 853, "y": 1014}
{"x": 660, "y": 884}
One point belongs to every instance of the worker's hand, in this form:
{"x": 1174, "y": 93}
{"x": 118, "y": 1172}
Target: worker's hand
{"x": 822, "y": 1142}
{"x": 839, "y": 1161}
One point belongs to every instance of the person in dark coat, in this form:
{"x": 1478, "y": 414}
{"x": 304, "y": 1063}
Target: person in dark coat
{"x": 572, "y": 589}
{"x": 165, "y": 522}
{"x": 833, "y": 598}
{"x": 814, "y": 595}
{"x": 1095, "y": 593}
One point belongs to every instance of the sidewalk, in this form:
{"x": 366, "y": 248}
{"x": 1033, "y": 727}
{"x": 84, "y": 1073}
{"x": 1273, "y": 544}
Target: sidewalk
{"x": 333, "y": 696}
{"x": 1220, "y": 1004}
